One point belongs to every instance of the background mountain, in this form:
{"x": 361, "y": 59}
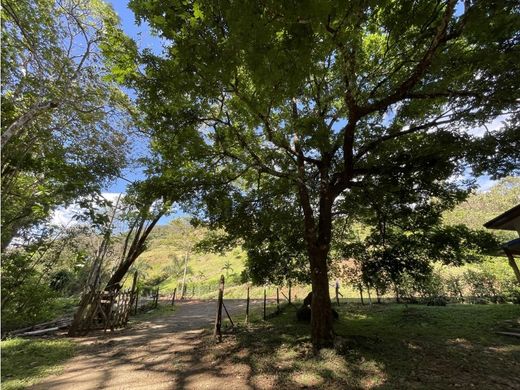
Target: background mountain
{"x": 162, "y": 264}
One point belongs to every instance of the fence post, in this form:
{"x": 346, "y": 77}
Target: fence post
{"x": 218, "y": 319}
{"x": 289, "y": 292}
{"x": 247, "y": 306}
{"x": 277, "y": 300}
{"x": 173, "y": 296}
{"x": 156, "y": 303}
{"x": 265, "y": 301}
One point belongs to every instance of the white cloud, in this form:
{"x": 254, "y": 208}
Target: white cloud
{"x": 495, "y": 124}
{"x": 64, "y": 216}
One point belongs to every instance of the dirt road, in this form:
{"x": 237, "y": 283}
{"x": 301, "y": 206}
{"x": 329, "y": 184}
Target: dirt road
{"x": 157, "y": 354}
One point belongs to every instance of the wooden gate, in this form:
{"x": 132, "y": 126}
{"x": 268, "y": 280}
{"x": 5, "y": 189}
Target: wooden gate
{"x": 104, "y": 310}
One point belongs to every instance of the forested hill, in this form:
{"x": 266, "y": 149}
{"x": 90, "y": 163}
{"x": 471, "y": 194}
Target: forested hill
{"x": 480, "y": 207}
{"x": 164, "y": 258}
{"x": 163, "y": 262}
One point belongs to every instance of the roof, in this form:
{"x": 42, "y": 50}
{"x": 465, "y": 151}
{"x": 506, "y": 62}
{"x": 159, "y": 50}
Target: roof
{"x": 509, "y": 220}
{"x": 513, "y": 246}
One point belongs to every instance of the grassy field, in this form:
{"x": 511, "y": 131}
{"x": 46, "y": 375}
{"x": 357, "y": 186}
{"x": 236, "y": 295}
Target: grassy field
{"x": 384, "y": 347}
{"x": 25, "y": 361}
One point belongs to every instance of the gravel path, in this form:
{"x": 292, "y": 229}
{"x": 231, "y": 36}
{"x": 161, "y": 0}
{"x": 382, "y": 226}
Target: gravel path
{"x": 157, "y": 354}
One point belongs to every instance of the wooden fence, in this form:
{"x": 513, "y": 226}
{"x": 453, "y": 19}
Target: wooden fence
{"x": 105, "y": 310}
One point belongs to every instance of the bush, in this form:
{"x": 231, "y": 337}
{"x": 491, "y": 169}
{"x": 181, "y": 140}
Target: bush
{"x": 26, "y": 299}
{"x": 483, "y": 286}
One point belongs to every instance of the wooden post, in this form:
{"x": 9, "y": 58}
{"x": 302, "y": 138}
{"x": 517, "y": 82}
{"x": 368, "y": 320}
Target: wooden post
{"x": 173, "y": 296}
{"x": 227, "y": 313}
{"x": 247, "y": 306}
{"x": 512, "y": 263}
{"x": 156, "y": 302}
{"x": 265, "y": 301}
{"x": 337, "y": 292}
{"x": 289, "y": 292}
{"x": 218, "y": 319}
{"x": 277, "y": 300}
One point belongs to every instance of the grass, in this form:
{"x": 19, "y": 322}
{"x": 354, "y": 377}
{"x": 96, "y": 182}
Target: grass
{"x": 26, "y": 361}
{"x": 383, "y": 347}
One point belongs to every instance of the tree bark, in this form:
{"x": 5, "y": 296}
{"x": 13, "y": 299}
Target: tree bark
{"x": 136, "y": 248}
{"x": 322, "y": 333}
{"x": 184, "y": 276}
{"x": 20, "y": 123}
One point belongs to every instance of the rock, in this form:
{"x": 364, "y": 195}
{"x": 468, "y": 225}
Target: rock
{"x": 308, "y": 299}
{"x": 304, "y": 313}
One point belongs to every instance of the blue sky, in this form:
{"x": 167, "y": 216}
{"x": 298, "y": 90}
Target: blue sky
{"x": 142, "y": 35}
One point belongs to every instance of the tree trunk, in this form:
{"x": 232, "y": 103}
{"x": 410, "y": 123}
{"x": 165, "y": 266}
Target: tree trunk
{"x": 183, "y": 289}
{"x": 136, "y": 248}
{"x": 322, "y": 333}
{"x": 21, "y": 122}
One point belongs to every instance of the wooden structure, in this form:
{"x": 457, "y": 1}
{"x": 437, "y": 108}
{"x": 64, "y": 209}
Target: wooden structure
{"x": 509, "y": 220}
{"x": 104, "y": 310}
{"x": 218, "y": 320}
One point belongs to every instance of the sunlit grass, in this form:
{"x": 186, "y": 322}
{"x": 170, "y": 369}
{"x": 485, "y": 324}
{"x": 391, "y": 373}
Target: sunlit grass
{"x": 26, "y": 361}
{"x": 382, "y": 346}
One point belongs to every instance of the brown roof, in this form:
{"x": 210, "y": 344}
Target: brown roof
{"x": 508, "y": 220}
{"x": 512, "y": 247}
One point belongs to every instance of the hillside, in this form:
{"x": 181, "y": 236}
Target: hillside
{"x": 165, "y": 257}
{"x": 481, "y": 207}
{"x": 162, "y": 263}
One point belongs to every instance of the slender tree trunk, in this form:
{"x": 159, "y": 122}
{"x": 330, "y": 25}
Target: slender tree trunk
{"x": 21, "y": 122}
{"x": 361, "y": 293}
{"x": 184, "y": 276}
{"x": 378, "y": 294}
{"x": 136, "y": 248}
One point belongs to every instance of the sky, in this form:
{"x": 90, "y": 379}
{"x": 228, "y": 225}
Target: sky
{"x": 145, "y": 39}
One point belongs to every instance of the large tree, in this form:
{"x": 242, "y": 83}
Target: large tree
{"x": 64, "y": 124}
{"x": 318, "y": 98}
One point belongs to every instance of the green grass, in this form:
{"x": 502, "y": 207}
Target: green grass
{"x": 26, "y": 361}
{"x": 384, "y": 347}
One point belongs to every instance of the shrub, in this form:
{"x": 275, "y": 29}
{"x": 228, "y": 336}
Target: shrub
{"x": 26, "y": 299}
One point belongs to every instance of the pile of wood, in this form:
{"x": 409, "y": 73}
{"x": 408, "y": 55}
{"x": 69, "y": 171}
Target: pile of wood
{"x": 42, "y": 329}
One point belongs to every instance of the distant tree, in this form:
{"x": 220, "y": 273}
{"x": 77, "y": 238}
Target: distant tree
{"x": 319, "y": 100}
{"x": 227, "y": 267}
